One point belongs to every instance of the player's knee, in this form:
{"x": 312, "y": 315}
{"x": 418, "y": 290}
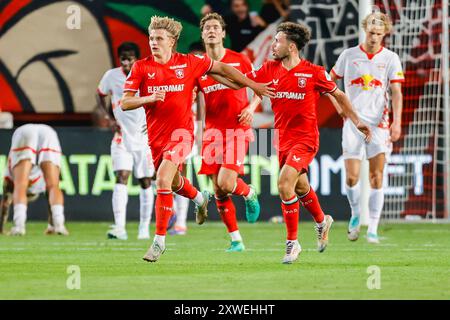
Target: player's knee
{"x": 163, "y": 183}
{"x": 351, "y": 180}
{"x": 145, "y": 183}
{"x": 284, "y": 188}
{"x": 122, "y": 177}
{"x": 226, "y": 186}
{"x": 376, "y": 179}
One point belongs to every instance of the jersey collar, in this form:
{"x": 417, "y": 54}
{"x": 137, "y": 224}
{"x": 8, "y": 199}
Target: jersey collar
{"x": 370, "y": 55}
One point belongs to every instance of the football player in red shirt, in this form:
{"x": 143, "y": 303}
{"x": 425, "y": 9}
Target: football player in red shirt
{"x": 228, "y": 132}
{"x": 165, "y": 81}
{"x": 298, "y": 84}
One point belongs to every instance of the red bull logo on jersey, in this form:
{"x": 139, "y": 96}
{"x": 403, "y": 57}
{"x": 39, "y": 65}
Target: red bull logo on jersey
{"x": 367, "y": 82}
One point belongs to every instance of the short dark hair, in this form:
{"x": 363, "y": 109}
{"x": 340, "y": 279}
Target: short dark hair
{"x": 212, "y": 16}
{"x": 129, "y": 46}
{"x": 295, "y": 32}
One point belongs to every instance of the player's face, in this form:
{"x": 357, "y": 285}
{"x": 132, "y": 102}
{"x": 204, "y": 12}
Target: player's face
{"x": 280, "y": 46}
{"x": 212, "y": 32}
{"x": 161, "y": 42}
{"x": 127, "y": 58}
{"x": 374, "y": 36}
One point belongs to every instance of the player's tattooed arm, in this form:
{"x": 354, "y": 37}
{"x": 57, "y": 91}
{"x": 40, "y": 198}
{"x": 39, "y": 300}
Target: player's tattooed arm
{"x": 261, "y": 89}
{"x": 6, "y": 202}
{"x": 350, "y": 113}
{"x": 130, "y": 101}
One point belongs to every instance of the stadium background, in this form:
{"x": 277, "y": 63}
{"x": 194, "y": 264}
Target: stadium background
{"x": 51, "y": 74}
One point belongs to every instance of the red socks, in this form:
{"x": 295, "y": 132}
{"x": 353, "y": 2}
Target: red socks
{"x": 163, "y": 209}
{"x": 241, "y": 188}
{"x": 310, "y": 202}
{"x": 186, "y": 189}
{"x": 227, "y": 212}
{"x": 291, "y": 212}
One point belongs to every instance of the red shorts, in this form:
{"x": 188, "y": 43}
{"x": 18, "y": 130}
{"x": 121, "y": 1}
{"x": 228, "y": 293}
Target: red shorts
{"x": 175, "y": 151}
{"x": 298, "y": 157}
{"x": 218, "y": 152}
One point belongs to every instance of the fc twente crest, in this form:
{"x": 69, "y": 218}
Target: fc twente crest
{"x": 179, "y": 73}
{"x": 301, "y": 82}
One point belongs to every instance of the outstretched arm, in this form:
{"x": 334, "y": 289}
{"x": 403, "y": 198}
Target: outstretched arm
{"x": 261, "y": 89}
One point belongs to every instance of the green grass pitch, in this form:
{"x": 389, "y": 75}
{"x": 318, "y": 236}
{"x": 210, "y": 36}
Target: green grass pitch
{"x": 413, "y": 262}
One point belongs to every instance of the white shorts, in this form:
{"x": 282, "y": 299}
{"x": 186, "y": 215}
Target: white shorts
{"x": 140, "y": 160}
{"x": 38, "y": 143}
{"x": 354, "y": 146}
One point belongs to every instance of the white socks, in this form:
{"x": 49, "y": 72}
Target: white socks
{"x": 376, "y": 202}
{"x": 57, "y": 215}
{"x": 160, "y": 239}
{"x": 20, "y": 215}
{"x": 250, "y": 194}
{"x": 146, "y": 201}
{"x": 353, "y": 196}
{"x": 198, "y": 200}
{"x": 119, "y": 204}
{"x": 182, "y": 204}
{"x": 235, "y": 236}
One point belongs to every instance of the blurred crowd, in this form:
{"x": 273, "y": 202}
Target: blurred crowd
{"x": 242, "y": 23}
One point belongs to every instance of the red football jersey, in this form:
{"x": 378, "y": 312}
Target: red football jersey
{"x": 295, "y": 104}
{"x": 177, "y": 78}
{"x": 223, "y": 105}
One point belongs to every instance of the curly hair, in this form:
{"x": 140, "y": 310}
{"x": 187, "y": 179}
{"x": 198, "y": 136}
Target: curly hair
{"x": 295, "y": 32}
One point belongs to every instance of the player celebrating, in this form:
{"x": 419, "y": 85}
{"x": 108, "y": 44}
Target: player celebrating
{"x": 298, "y": 84}
{"x": 229, "y": 114}
{"x": 34, "y": 147}
{"x": 129, "y": 147}
{"x": 165, "y": 81}
{"x": 369, "y": 70}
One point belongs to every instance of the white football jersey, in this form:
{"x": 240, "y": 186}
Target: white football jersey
{"x": 133, "y": 123}
{"x": 367, "y": 78}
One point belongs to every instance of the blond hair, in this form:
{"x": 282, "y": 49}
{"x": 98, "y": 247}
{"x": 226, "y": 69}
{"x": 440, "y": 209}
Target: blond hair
{"x": 170, "y": 25}
{"x": 378, "y": 19}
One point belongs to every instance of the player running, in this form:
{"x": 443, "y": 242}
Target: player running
{"x": 129, "y": 147}
{"x": 369, "y": 71}
{"x": 298, "y": 84}
{"x": 165, "y": 81}
{"x": 227, "y": 131}
{"x": 34, "y": 147}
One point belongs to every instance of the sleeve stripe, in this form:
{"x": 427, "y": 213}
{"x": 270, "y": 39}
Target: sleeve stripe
{"x": 210, "y": 66}
{"x": 331, "y": 91}
{"x": 100, "y": 92}
{"x": 128, "y": 89}
{"x": 397, "y": 80}
{"x": 333, "y": 72}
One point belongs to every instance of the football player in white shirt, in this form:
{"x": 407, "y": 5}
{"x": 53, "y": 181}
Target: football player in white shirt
{"x": 33, "y": 167}
{"x": 129, "y": 147}
{"x": 369, "y": 71}
{"x": 36, "y": 186}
